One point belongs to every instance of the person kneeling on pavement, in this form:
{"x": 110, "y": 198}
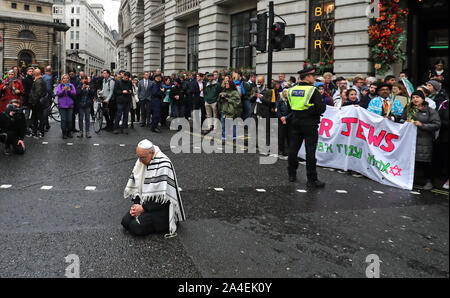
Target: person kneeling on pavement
{"x": 153, "y": 189}
{"x": 13, "y": 128}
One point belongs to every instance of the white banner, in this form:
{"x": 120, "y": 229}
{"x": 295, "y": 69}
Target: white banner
{"x": 354, "y": 139}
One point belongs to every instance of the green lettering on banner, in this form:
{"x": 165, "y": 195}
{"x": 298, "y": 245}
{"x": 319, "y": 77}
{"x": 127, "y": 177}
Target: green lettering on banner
{"x": 339, "y": 147}
{"x": 346, "y": 148}
{"x": 384, "y": 167}
{"x": 355, "y": 152}
{"x": 329, "y": 148}
{"x": 320, "y": 147}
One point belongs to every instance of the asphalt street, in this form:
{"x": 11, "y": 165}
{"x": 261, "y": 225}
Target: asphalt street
{"x": 244, "y": 219}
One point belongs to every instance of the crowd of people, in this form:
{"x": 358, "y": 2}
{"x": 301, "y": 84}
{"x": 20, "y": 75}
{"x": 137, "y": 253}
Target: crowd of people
{"x": 26, "y": 98}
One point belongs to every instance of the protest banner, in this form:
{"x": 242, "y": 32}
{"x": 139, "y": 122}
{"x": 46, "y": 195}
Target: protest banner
{"x": 351, "y": 138}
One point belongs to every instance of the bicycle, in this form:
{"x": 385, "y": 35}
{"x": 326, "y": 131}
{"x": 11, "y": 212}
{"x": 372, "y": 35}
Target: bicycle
{"x": 54, "y": 111}
{"x": 99, "y": 112}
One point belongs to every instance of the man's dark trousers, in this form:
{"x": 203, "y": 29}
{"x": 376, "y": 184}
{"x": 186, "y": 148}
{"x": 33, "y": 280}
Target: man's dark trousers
{"x": 298, "y": 134}
{"x": 122, "y": 113}
{"x": 155, "y": 111}
{"x": 145, "y": 111}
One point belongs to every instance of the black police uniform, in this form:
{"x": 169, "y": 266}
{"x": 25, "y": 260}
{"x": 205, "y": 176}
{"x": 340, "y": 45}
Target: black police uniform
{"x": 304, "y": 127}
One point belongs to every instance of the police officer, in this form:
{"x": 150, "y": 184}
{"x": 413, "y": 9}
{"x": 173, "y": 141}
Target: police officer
{"x": 307, "y": 106}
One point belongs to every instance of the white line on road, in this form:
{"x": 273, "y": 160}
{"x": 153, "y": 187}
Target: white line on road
{"x": 96, "y": 144}
{"x": 341, "y": 191}
{"x": 378, "y": 192}
{"x": 260, "y": 190}
{"x": 218, "y": 189}
{"x": 302, "y": 191}
{"x": 416, "y": 193}
{"x": 122, "y": 145}
{"x": 90, "y": 188}
{"x": 5, "y": 186}
{"x": 44, "y": 143}
{"x": 46, "y": 187}
{"x": 69, "y": 144}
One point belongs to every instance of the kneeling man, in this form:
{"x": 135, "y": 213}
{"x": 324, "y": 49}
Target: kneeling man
{"x": 153, "y": 188}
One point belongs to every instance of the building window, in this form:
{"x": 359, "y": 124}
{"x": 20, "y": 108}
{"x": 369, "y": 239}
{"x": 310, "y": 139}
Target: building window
{"x": 71, "y": 22}
{"x": 26, "y": 7}
{"x": 73, "y": 9}
{"x": 242, "y": 54}
{"x": 71, "y": 34}
{"x": 77, "y": 35}
{"x": 71, "y": 46}
{"x": 78, "y": 10}
{"x": 14, "y": 5}
{"x": 26, "y": 34}
{"x": 39, "y": 9}
{"x": 77, "y": 46}
{"x": 193, "y": 48}
{"x": 321, "y": 30}
{"x": 78, "y": 22}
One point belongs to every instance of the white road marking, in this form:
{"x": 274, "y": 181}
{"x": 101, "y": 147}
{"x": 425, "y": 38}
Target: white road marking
{"x": 69, "y": 144}
{"x": 378, "y": 192}
{"x": 341, "y": 191}
{"x": 331, "y": 170}
{"x": 260, "y": 190}
{"x": 96, "y": 144}
{"x": 122, "y": 145}
{"x": 90, "y": 188}
{"x": 416, "y": 193}
{"x": 357, "y": 175}
{"x": 218, "y": 189}
{"x": 44, "y": 143}
{"x": 301, "y": 190}
{"x": 5, "y": 186}
{"x": 46, "y": 187}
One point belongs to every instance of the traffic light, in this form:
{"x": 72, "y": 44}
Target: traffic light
{"x": 259, "y": 32}
{"x": 279, "y": 39}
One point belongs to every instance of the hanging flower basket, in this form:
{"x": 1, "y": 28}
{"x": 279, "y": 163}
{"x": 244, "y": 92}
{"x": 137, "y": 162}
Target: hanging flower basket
{"x": 387, "y": 36}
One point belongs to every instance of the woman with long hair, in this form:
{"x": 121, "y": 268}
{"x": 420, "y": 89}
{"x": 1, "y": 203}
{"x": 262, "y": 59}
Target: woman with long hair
{"x": 230, "y": 105}
{"x": 66, "y": 92}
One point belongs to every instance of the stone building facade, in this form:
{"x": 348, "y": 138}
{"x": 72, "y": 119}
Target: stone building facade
{"x": 88, "y": 36}
{"x": 29, "y": 35}
{"x": 207, "y": 35}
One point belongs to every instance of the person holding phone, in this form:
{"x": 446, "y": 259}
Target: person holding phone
{"x": 66, "y": 92}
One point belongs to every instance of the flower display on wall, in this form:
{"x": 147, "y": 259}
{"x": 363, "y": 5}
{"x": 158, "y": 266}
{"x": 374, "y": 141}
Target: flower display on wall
{"x": 387, "y": 36}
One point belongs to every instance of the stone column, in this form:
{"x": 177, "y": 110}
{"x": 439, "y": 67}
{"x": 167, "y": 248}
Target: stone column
{"x": 214, "y": 37}
{"x": 137, "y": 55}
{"x": 152, "y": 38}
{"x": 351, "y": 39}
{"x": 175, "y": 40}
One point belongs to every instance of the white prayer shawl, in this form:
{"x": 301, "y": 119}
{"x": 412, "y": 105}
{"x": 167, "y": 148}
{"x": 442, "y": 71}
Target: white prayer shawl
{"x": 157, "y": 182}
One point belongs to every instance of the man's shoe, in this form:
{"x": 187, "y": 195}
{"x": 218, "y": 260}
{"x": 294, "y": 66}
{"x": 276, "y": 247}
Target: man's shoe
{"x": 69, "y": 135}
{"x": 292, "y": 178}
{"x": 157, "y": 130}
{"x": 8, "y": 150}
{"x": 315, "y": 184}
{"x": 80, "y": 135}
{"x": 41, "y": 135}
{"x": 75, "y": 130}
{"x": 88, "y": 135}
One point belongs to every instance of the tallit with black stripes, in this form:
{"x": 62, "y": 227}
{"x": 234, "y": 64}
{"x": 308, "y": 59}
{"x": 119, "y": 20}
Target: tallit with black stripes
{"x": 157, "y": 182}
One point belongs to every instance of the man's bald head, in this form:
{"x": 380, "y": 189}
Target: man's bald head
{"x": 260, "y": 80}
{"x": 37, "y": 72}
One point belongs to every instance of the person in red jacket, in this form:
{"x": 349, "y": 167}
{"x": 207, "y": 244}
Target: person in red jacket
{"x": 10, "y": 89}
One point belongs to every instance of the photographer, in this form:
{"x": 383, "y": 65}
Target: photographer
{"x": 10, "y": 89}
{"x": 13, "y": 128}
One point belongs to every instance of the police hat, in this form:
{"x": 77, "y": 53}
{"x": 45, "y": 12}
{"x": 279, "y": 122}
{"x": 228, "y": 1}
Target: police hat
{"x": 307, "y": 71}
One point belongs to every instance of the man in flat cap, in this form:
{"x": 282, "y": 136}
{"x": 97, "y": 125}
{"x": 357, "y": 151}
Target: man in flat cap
{"x": 307, "y": 105}
{"x": 153, "y": 189}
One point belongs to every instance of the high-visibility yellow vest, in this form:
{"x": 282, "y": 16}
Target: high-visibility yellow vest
{"x": 299, "y": 97}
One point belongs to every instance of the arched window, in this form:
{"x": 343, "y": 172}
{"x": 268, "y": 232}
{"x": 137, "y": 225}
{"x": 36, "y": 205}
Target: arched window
{"x": 27, "y": 34}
